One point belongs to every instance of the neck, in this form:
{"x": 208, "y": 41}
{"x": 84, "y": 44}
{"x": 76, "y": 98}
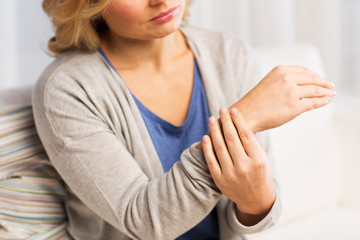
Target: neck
{"x": 127, "y": 53}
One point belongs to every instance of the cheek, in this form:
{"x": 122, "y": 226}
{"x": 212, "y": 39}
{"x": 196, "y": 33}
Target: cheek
{"x": 126, "y": 12}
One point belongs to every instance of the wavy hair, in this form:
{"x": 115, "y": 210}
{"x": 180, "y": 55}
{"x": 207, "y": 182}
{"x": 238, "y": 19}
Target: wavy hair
{"x": 78, "y": 24}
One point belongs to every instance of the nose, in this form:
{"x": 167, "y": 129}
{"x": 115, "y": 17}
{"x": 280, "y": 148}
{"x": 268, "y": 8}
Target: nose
{"x": 154, "y": 3}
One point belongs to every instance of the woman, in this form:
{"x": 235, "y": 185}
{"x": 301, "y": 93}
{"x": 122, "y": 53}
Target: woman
{"x": 123, "y": 107}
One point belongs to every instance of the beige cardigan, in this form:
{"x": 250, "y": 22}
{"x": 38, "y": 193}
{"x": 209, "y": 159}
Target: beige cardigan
{"x": 95, "y": 137}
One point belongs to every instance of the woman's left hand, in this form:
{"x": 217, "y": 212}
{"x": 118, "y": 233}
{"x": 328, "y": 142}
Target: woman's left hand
{"x": 239, "y": 166}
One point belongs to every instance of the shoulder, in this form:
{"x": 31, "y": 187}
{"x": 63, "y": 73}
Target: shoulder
{"x": 71, "y": 73}
{"x": 75, "y": 85}
{"x": 214, "y": 42}
{"x": 70, "y": 65}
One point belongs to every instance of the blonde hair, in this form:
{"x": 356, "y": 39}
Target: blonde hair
{"x": 78, "y": 24}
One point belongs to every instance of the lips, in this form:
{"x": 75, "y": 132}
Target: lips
{"x": 166, "y": 15}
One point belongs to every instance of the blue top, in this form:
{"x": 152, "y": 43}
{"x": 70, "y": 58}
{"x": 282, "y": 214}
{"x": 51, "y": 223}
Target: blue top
{"x": 170, "y": 141}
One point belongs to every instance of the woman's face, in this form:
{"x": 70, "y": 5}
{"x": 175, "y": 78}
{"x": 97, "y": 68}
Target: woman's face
{"x": 144, "y": 19}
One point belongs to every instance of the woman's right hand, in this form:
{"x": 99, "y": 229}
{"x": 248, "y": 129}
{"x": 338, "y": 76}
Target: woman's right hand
{"x": 239, "y": 166}
{"x": 283, "y": 94}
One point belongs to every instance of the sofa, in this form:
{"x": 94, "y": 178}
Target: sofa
{"x": 317, "y": 164}
{"x": 32, "y": 194}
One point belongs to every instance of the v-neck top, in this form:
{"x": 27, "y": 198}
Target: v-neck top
{"x": 171, "y": 140}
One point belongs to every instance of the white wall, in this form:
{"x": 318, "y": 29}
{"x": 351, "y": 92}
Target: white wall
{"x": 319, "y": 22}
{"x": 272, "y": 22}
{"x": 227, "y": 16}
{"x": 279, "y": 22}
{"x": 25, "y": 30}
{"x": 351, "y": 46}
{"x": 8, "y": 50}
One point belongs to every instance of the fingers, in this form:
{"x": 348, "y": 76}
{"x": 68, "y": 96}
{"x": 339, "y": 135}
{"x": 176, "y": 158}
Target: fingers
{"x": 312, "y": 103}
{"x": 309, "y": 77}
{"x": 219, "y": 145}
{"x": 315, "y": 79}
{"x": 247, "y": 137}
{"x": 311, "y": 91}
{"x": 210, "y": 158}
{"x": 231, "y": 137}
{"x": 304, "y": 76}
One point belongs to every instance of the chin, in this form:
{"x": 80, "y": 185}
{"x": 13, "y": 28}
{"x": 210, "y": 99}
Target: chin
{"x": 166, "y": 29}
{"x": 164, "y": 33}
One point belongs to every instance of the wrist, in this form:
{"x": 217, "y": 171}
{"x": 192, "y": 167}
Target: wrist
{"x": 251, "y": 219}
{"x": 250, "y": 216}
{"x": 251, "y": 121}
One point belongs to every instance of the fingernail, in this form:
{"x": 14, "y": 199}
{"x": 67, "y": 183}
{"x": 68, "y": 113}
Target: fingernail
{"x": 211, "y": 120}
{"x": 328, "y": 100}
{"x": 223, "y": 111}
{"x": 334, "y": 93}
{"x": 332, "y": 84}
{"x": 234, "y": 112}
{"x": 205, "y": 139}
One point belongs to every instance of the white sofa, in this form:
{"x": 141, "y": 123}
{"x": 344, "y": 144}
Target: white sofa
{"x": 317, "y": 161}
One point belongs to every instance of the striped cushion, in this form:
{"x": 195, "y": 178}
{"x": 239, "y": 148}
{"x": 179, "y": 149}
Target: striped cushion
{"x": 31, "y": 192}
